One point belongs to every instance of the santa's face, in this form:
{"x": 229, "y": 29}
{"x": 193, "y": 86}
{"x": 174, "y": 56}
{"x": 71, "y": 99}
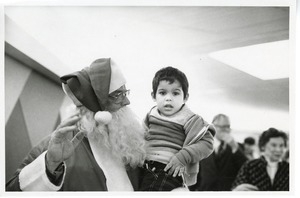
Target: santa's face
{"x": 117, "y": 99}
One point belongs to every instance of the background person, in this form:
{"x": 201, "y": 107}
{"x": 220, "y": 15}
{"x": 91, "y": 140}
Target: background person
{"x": 218, "y": 171}
{"x": 286, "y": 156}
{"x": 269, "y": 172}
{"x": 249, "y": 148}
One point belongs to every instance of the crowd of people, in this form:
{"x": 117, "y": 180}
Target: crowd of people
{"x": 172, "y": 149}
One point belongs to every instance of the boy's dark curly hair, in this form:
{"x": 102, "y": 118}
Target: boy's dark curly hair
{"x": 170, "y": 74}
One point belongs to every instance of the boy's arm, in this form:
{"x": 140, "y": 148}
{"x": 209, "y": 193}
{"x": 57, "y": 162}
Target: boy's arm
{"x": 196, "y": 151}
{"x": 190, "y": 154}
{"x": 145, "y": 125}
{"x": 199, "y": 140}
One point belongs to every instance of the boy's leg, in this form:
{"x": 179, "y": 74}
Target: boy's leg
{"x": 168, "y": 182}
{"x": 156, "y": 179}
{"x": 149, "y": 178}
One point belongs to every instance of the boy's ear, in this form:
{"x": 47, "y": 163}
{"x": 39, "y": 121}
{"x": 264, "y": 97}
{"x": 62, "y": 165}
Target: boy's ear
{"x": 186, "y": 97}
{"x": 153, "y": 96}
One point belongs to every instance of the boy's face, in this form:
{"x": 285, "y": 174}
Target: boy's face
{"x": 169, "y": 97}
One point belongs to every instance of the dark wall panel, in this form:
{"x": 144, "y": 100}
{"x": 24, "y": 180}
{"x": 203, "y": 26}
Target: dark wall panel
{"x": 41, "y": 100}
{"x": 17, "y": 142}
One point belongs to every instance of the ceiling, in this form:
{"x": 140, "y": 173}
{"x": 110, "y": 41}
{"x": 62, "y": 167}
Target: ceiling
{"x": 146, "y": 38}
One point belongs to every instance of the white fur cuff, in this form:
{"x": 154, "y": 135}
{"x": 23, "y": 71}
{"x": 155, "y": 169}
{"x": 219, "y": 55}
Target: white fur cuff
{"x": 33, "y": 177}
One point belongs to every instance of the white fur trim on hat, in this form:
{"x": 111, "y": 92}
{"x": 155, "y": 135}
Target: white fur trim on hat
{"x": 117, "y": 79}
{"x": 69, "y": 93}
{"x": 103, "y": 117}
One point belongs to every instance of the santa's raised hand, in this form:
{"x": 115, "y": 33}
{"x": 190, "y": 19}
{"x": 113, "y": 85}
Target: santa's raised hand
{"x": 60, "y": 147}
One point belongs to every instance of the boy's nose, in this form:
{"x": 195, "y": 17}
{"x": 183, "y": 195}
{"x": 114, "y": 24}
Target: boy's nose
{"x": 168, "y": 97}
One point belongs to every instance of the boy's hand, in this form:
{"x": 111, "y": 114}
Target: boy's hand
{"x": 175, "y": 167}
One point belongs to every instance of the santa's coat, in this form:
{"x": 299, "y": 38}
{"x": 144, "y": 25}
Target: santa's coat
{"x": 82, "y": 172}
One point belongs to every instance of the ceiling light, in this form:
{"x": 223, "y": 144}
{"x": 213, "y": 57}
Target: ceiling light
{"x": 266, "y": 61}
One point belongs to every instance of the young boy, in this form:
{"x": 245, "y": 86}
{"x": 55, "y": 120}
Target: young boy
{"x": 177, "y": 139}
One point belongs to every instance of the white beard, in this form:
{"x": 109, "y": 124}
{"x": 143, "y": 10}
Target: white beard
{"x": 124, "y": 135}
{"x": 115, "y": 145}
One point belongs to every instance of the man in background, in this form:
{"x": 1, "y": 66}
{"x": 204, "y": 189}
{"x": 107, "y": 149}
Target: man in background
{"x": 218, "y": 171}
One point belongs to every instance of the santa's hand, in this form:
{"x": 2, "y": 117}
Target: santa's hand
{"x": 175, "y": 167}
{"x": 60, "y": 147}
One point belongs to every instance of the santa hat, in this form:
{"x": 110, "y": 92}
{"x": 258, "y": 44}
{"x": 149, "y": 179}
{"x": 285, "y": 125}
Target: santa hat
{"x": 91, "y": 86}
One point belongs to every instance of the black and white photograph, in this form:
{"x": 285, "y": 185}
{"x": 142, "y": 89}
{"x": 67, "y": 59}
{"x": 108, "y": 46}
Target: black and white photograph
{"x": 178, "y": 98}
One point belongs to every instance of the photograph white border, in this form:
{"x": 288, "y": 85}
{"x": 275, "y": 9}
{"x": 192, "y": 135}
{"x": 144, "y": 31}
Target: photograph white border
{"x": 294, "y": 94}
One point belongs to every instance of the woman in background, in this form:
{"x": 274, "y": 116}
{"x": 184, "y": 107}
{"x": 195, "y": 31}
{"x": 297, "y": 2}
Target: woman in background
{"x": 269, "y": 172}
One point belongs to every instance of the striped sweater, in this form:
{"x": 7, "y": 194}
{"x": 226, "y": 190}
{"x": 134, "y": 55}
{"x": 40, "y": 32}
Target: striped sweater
{"x": 185, "y": 135}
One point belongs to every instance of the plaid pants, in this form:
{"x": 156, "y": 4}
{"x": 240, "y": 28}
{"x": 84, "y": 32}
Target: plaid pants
{"x": 158, "y": 179}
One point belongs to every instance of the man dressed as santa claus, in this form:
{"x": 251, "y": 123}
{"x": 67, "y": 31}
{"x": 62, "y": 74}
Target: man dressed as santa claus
{"x": 100, "y": 148}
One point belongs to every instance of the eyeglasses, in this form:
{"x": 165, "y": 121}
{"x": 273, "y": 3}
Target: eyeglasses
{"x": 118, "y": 96}
{"x": 222, "y": 126}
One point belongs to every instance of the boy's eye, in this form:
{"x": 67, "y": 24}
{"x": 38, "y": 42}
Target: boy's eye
{"x": 177, "y": 93}
{"x": 162, "y": 92}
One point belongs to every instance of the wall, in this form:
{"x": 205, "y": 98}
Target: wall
{"x": 32, "y": 104}
{"x": 33, "y": 94}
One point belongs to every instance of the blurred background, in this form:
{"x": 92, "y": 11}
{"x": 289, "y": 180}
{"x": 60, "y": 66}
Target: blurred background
{"x": 237, "y": 61}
